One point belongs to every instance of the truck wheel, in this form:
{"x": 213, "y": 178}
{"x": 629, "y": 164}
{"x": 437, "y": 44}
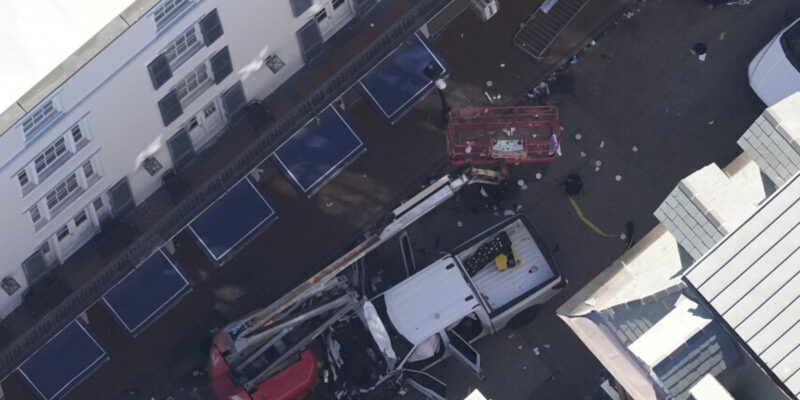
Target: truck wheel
{"x": 523, "y": 318}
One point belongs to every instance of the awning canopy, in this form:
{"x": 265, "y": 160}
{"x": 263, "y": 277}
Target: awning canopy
{"x": 63, "y": 362}
{"x": 316, "y": 153}
{"x": 147, "y": 292}
{"x": 394, "y": 85}
{"x": 233, "y": 219}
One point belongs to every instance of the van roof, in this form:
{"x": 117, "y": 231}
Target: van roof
{"x": 430, "y": 300}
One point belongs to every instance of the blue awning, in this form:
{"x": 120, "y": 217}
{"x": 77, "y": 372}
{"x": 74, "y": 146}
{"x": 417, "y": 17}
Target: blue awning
{"x": 400, "y": 80}
{"x": 147, "y": 292}
{"x": 63, "y": 362}
{"x": 233, "y": 219}
{"x": 319, "y": 151}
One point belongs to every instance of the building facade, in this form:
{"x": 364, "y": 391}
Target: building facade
{"x": 156, "y": 85}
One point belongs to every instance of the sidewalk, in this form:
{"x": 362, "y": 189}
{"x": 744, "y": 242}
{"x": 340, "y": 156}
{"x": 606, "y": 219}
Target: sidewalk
{"x": 397, "y": 161}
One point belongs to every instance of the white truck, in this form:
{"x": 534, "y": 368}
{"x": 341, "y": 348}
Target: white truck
{"x": 343, "y": 339}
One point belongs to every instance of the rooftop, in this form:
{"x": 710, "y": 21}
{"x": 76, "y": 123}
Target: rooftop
{"x": 47, "y": 41}
{"x": 751, "y": 279}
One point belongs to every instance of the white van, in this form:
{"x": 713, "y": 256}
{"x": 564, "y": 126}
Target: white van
{"x": 774, "y": 73}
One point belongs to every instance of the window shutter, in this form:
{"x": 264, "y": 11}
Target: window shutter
{"x": 221, "y": 65}
{"x": 121, "y": 198}
{"x": 310, "y": 40}
{"x": 234, "y": 99}
{"x": 181, "y": 149}
{"x": 160, "y": 71}
{"x": 170, "y": 107}
{"x": 211, "y": 27}
{"x": 34, "y": 267}
{"x": 362, "y": 7}
{"x": 300, "y": 6}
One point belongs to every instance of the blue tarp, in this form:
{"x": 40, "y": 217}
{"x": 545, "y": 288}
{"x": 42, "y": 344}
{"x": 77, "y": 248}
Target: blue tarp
{"x": 319, "y": 151}
{"x": 228, "y": 223}
{"x": 400, "y": 80}
{"x": 63, "y": 362}
{"x": 147, "y": 292}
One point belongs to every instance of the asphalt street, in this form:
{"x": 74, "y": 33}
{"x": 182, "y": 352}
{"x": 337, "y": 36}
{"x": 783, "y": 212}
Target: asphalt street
{"x": 640, "y": 87}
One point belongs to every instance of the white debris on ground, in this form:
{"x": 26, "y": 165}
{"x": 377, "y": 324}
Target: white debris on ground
{"x": 489, "y": 83}
{"x": 578, "y": 136}
{"x": 635, "y": 149}
{"x": 618, "y": 178}
{"x": 538, "y": 175}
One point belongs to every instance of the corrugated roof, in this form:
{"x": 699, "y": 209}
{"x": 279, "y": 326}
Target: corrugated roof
{"x": 752, "y": 279}
{"x": 430, "y": 300}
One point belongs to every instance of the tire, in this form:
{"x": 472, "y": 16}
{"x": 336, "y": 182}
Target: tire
{"x": 524, "y": 318}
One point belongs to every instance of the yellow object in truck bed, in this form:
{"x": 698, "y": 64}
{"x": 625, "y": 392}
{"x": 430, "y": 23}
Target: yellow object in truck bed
{"x": 501, "y": 261}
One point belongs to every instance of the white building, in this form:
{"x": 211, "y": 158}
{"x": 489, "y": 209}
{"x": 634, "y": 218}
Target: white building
{"x": 101, "y": 97}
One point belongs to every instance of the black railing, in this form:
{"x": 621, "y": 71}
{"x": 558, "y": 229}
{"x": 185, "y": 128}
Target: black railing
{"x": 88, "y": 294}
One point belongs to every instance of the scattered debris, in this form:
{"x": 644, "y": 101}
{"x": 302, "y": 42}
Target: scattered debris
{"x": 459, "y": 224}
{"x": 519, "y": 347}
{"x": 329, "y": 204}
{"x": 623, "y": 236}
{"x": 578, "y": 136}
{"x": 489, "y": 97}
{"x": 593, "y": 42}
{"x": 524, "y": 187}
{"x": 540, "y": 90}
{"x": 521, "y": 182}
{"x": 602, "y": 144}
{"x": 538, "y": 175}
{"x": 489, "y": 83}
{"x": 536, "y": 351}
{"x": 634, "y": 149}
{"x": 583, "y": 154}
{"x": 508, "y": 213}
{"x": 524, "y": 368}
{"x": 618, "y": 178}
{"x": 596, "y": 169}
{"x": 573, "y": 60}
{"x": 510, "y": 335}
{"x": 722, "y": 35}
{"x": 700, "y": 50}
{"x": 598, "y": 163}
{"x": 502, "y": 65}
{"x": 711, "y": 122}
{"x": 371, "y": 25}
{"x": 546, "y": 346}
{"x": 462, "y": 35}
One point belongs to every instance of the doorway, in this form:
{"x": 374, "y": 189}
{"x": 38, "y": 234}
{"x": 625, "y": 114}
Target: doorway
{"x": 74, "y": 234}
{"x": 206, "y": 124}
{"x": 333, "y": 15}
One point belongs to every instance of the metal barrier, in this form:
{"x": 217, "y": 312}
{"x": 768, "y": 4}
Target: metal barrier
{"x": 84, "y": 297}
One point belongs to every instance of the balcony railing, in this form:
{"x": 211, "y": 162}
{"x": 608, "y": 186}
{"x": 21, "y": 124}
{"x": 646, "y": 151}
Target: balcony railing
{"x": 202, "y": 196}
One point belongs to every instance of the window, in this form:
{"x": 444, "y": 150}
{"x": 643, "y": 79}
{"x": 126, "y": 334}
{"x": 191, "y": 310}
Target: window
{"x": 62, "y": 233}
{"x": 45, "y": 247}
{"x": 62, "y": 191}
{"x": 50, "y": 155}
{"x": 38, "y": 118}
{"x": 337, "y": 3}
{"x": 98, "y": 203}
{"x": 77, "y": 135}
{"x": 321, "y": 15}
{"x": 80, "y": 218}
{"x": 22, "y": 177}
{"x": 167, "y": 10}
{"x": 36, "y": 216}
{"x": 88, "y": 170}
{"x": 300, "y": 6}
{"x": 184, "y": 46}
{"x": 193, "y": 84}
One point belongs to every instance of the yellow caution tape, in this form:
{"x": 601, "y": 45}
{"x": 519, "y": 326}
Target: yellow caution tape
{"x": 586, "y": 220}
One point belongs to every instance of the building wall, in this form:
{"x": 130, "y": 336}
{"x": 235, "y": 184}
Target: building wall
{"x": 113, "y": 102}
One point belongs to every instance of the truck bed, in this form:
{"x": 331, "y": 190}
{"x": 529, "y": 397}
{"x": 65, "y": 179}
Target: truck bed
{"x": 535, "y": 269}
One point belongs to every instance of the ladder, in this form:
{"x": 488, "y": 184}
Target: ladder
{"x": 542, "y": 28}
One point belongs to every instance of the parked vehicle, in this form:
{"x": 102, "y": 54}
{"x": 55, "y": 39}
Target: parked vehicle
{"x": 340, "y": 338}
{"x": 774, "y": 73}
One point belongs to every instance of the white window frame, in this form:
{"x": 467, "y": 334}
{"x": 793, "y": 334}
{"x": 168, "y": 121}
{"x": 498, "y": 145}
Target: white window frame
{"x": 39, "y": 118}
{"x": 35, "y": 214}
{"x": 168, "y": 11}
{"x": 52, "y": 155}
{"x": 62, "y": 192}
{"x": 194, "y": 83}
{"x": 183, "y": 47}
{"x": 28, "y": 179}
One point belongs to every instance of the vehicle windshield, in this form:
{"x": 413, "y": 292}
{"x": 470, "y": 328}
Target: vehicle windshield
{"x": 790, "y": 41}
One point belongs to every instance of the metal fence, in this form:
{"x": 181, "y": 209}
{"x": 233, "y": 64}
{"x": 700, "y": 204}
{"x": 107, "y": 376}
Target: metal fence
{"x": 84, "y": 297}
